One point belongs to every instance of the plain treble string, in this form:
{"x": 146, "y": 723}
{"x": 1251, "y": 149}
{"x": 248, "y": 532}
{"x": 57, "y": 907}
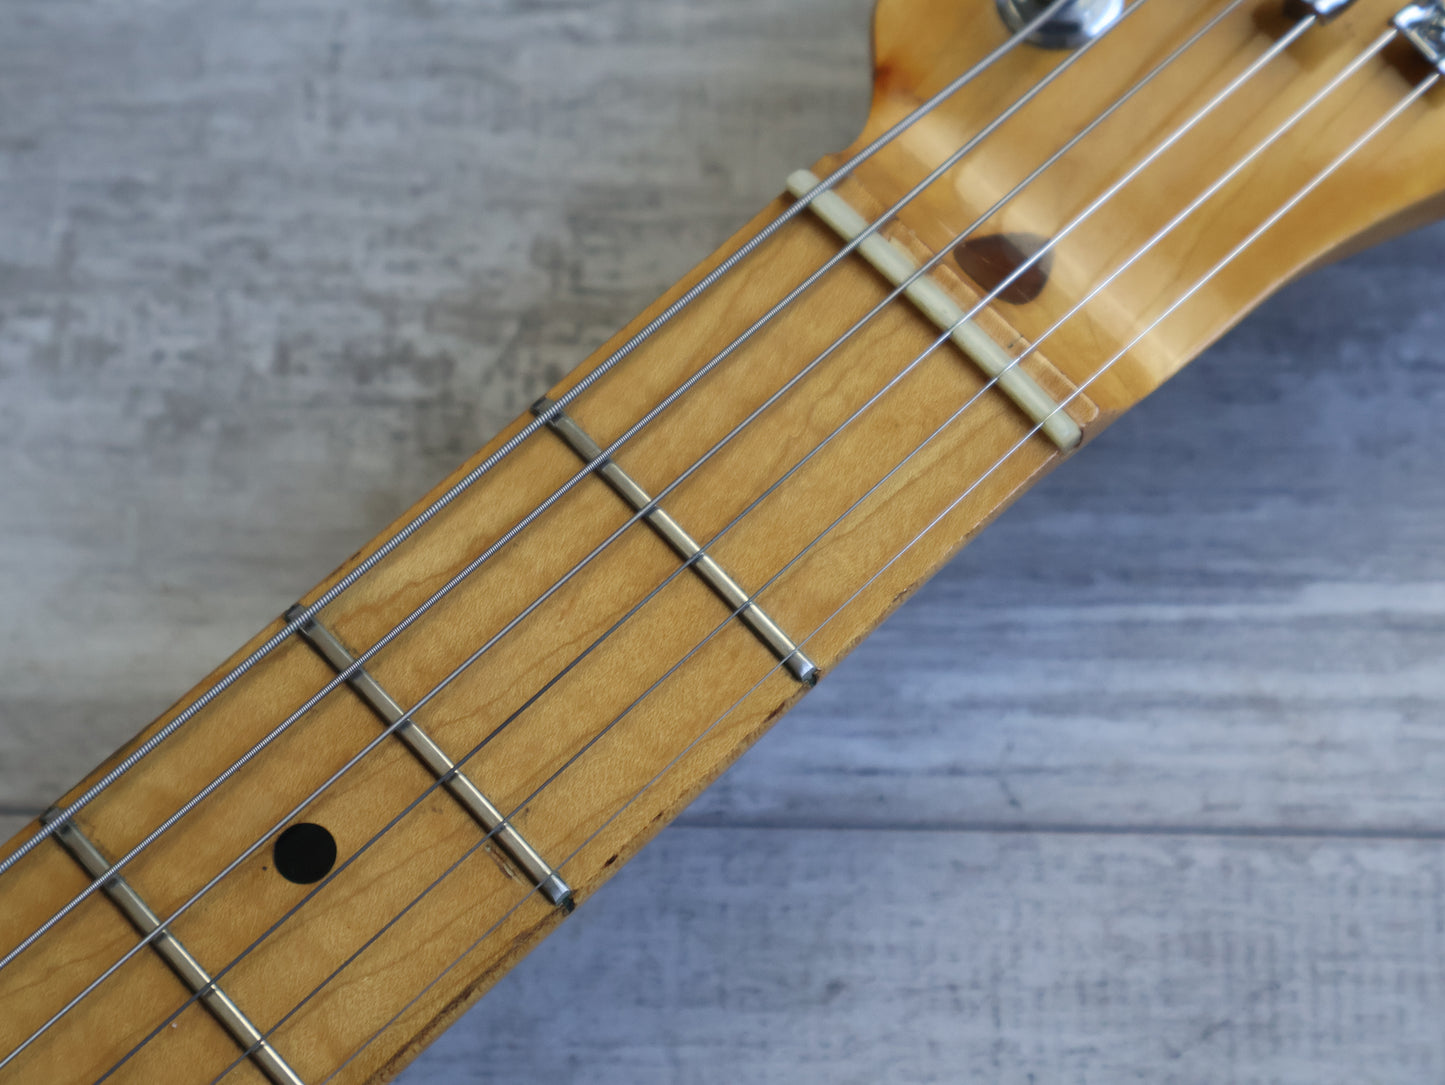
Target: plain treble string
{"x": 1290, "y": 122}
{"x": 1169, "y": 59}
{"x": 64, "y": 814}
{"x": 874, "y": 398}
{"x": 360, "y": 662}
{"x": 376, "y": 741}
{"x": 344, "y": 674}
{"x": 1354, "y": 66}
{"x": 1105, "y": 197}
{"x": 689, "y": 562}
{"x": 1392, "y": 115}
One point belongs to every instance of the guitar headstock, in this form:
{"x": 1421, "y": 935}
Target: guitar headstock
{"x": 1178, "y": 164}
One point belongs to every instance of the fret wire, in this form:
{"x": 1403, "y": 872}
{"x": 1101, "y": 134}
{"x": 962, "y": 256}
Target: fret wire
{"x": 1414, "y": 95}
{"x": 679, "y": 571}
{"x": 978, "y": 394}
{"x": 402, "y": 721}
{"x": 902, "y": 286}
{"x": 771, "y": 400}
{"x": 1350, "y": 69}
{"x": 562, "y": 400}
{"x": 531, "y": 428}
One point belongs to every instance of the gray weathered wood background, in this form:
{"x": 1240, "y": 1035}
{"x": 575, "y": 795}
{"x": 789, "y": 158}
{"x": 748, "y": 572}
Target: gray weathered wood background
{"x": 1147, "y": 786}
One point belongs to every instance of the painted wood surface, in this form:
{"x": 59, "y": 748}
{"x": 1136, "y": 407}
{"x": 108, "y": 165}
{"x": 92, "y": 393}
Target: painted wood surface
{"x": 243, "y": 330}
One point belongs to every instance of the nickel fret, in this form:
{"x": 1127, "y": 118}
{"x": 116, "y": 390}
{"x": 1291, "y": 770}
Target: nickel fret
{"x": 471, "y": 797}
{"x": 190, "y": 971}
{"x": 714, "y": 575}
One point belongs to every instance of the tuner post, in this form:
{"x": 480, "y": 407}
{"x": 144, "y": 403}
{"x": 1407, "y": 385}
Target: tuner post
{"x": 1423, "y": 25}
{"x": 1072, "y": 25}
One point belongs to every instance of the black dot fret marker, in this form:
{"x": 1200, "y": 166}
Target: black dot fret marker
{"x": 481, "y": 808}
{"x": 304, "y": 853}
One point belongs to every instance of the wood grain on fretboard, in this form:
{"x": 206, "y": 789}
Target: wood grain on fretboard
{"x": 643, "y": 558}
{"x": 291, "y": 963}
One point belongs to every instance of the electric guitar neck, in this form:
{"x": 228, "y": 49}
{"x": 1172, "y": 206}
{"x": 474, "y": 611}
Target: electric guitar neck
{"x": 354, "y": 826}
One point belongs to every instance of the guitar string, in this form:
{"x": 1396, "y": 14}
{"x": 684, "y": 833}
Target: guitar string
{"x": 689, "y": 562}
{"x": 343, "y": 675}
{"x": 1214, "y": 189}
{"x": 63, "y": 814}
{"x": 1413, "y": 96}
{"x": 376, "y": 741}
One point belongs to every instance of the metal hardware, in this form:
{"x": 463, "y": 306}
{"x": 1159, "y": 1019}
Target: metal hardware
{"x": 1323, "y": 10}
{"x": 486, "y": 814}
{"x": 1424, "y": 25}
{"x": 170, "y": 949}
{"x": 732, "y": 593}
{"x": 1075, "y": 23}
{"x": 897, "y": 265}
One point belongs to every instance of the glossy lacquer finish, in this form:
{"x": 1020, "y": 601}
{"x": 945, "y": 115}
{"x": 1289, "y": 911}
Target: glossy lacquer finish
{"x": 594, "y": 765}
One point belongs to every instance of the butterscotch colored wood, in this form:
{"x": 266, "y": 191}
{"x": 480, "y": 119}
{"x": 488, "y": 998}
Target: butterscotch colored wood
{"x": 563, "y": 817}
